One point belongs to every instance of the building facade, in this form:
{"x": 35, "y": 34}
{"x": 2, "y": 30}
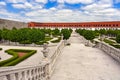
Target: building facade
{"x": 112, "y": 24}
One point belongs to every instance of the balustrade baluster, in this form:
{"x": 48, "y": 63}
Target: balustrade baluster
{"x": 3, "y": 78}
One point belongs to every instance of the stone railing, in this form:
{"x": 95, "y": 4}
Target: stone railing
{"x": 38, "y": 72}
{"x": 54, "y": 57}
{"x": 42, "y": 71}
{"x": 110, "y": 50}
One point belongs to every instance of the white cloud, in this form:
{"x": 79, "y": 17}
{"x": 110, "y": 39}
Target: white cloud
{"x": 19, "y": 6}
{"x": 42, "y": 1}
{"x": 75, "y": 1}
{"x": 25, "y": 5}
{"x": 68, "y": 15}
{"x": 16, "y": 1}
{"x": 96, "y": 7}
{"x": 28, "y": 5}
{"x": 2, "y": 3}
{"x": 101, "y": 10}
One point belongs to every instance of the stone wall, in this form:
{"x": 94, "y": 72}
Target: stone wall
{"x": 9, "y": 24}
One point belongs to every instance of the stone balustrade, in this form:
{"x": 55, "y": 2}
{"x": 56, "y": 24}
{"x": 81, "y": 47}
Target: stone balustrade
{"x": 38, "y": 72}
{"x": 110, "y": 50}
{"x": 42, "y": 71}
{"x": 54, "y": 57}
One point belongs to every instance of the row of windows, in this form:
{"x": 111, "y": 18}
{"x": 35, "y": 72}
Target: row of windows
{"x": 97, "y": 25}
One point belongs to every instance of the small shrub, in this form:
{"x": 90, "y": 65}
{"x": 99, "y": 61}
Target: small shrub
{"x": 68, "y": 44}
{"x": 0, "y": 48}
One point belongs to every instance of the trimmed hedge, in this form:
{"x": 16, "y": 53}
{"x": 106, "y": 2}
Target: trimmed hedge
{"x": 41, "y": 42}
{"x": 16, "y": 60}
{"x": 115, "y": 45}
{"x": 15, "y": 56}
{"x": 56, "y": 41}
{"x": 108, "y": 41}
{"x": 48, "y": 38}
{"x": 0, "y": 48}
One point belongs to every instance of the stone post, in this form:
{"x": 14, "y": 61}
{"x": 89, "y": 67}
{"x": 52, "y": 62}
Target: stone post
{"x": 45, "y": 60}
{"x": 45, "y": 50}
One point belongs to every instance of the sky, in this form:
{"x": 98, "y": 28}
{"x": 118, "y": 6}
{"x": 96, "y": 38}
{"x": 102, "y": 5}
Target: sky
{"x": 60, "y": 10}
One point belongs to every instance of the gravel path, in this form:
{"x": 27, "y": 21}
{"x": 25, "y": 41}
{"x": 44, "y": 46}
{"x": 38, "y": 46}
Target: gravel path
{"x": 78, "y": 62}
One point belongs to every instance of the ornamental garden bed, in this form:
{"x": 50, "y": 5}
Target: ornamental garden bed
{"x": 112, "y": 43}
{"x": 18, "y": 56}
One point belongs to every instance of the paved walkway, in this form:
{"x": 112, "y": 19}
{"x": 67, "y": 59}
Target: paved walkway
{"x": 78, "y": 62}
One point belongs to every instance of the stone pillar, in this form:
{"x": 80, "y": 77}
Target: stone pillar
{"x": 45, "y": 50}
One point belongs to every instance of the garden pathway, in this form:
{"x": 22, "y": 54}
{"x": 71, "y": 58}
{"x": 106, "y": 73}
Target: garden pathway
{"x": 78, "y": 62}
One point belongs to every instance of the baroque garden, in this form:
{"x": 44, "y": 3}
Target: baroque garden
{"x": 61, "y": 51}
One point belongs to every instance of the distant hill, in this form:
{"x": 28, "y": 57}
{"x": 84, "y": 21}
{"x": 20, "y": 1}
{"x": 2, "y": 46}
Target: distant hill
{"x": 9, "y": 24}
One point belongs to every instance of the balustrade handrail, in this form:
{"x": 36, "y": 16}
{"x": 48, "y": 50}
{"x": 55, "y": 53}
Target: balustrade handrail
{"x": 53, "y": 58}
{"x": 110, "y": 50}
{"x": 12, "y": 68}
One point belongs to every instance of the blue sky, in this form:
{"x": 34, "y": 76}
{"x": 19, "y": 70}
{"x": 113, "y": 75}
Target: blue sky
{"x": 60, "y": 10}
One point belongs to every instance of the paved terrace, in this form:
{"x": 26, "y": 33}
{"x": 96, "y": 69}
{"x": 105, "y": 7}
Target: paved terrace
{"x": 78, "y": 62}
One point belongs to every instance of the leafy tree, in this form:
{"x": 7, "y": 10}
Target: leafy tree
{"x": 36, "y": 35}
{"x": 66, "y": 33}
{"x": 5, "y": 33}
{"x": 89, "y": 35}
{"x": 118, "y": 38}
{"x": 24, "y": 35}
{"x": 102, "y": 31}
{"x": 13, "y": 35}
{"x": 0, "y": 35}
{"x": 56, "y": 31}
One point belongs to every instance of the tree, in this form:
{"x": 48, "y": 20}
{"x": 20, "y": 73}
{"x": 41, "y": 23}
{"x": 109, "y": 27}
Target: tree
{"x": 0, "y": 35}
{"x": 118, "y": 38}
{"x": 89, "y": 35}
{"x": 36, "y": 35}
{"x": 5, "y": 33}
{"x": 13, "y": 35}
{"x": 66, "y": 33}
{"x": 102, "y": 32}
{"x": 56, "y": 31}
{"x": 24, "y": 35}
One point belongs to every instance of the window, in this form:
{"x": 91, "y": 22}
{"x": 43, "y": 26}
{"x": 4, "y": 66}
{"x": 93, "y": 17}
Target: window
{"x": 109, "y": 24}
{"x": 117, "y": 25}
